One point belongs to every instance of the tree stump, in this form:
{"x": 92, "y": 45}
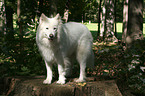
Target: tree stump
{"x": 32, "y": 86}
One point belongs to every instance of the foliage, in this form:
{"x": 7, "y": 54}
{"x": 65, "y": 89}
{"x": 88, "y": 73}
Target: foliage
{"x": 136, "y": 68}
{"x": 91, "y": 10}
{"x": 21, "y": 63}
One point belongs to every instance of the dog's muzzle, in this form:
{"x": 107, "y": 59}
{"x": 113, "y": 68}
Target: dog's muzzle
{"x": 51, "y": 37}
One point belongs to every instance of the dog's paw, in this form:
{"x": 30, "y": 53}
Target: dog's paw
{"x": 80, "y": 80}
{"x": 60, "y": 82}
{"x": 47, "y": 81}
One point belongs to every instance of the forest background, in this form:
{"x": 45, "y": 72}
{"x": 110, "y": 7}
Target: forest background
{"x": 114, "y": 56}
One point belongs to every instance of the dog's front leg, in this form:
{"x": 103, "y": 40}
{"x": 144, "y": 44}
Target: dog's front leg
{"x": 49, "y": 74}
{"x": 61, "y": 67}
{"x": 61, "y": 71}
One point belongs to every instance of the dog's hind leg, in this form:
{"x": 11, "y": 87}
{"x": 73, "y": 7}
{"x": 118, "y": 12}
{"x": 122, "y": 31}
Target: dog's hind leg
{"x": 68, "y": 67}
{"x": 82, "y": 77}
{"x": 49, "y": 74}
{"x": 83, "y": 52}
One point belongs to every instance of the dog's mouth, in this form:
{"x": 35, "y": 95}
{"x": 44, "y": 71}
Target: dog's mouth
{"x": 51, "y": 37}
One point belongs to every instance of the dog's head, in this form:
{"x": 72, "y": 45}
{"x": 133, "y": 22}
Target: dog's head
{"x": 49, "y": 26}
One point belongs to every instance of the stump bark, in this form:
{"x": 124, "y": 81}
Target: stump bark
{"x": 28, "y": 86}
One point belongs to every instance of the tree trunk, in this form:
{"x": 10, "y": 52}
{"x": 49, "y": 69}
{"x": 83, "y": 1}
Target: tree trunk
{"x": 109, "y": 20}
{"x": 65, "y": 16}
{"x": 9, "y": 23}
{"x": 135, "y": 47}
{"x": 98, "y": 34}
{"x": 107, "y": 29}
{"x": 66, "y": 12}
{"x": 103, "y": 26}
{"x": 53, "y": 8}
{"x": 135, "y": 22}
{"x": 125, "y": 20}
{"x": 115, "y": 18}
{"x": 20, "y": 60}
{"x": 134, "y": 36}
{"x": 2, "y": 19}
{"x": 41, "y": 7}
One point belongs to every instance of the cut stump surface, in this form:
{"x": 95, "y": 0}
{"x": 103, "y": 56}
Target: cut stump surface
{"x": 28, "y": 86}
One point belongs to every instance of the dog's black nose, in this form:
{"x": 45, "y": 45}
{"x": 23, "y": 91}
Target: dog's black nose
{"x": 51, "y": 36}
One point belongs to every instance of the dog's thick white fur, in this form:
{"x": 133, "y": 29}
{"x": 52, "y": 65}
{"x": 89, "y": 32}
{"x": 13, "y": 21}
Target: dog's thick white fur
{"x": 60, "y": 43}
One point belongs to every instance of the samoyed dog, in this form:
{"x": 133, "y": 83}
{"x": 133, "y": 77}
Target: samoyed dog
{"x": 59, "y": 43}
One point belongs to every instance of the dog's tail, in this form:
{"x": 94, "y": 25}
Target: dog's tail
{"x": 90, "y": 61}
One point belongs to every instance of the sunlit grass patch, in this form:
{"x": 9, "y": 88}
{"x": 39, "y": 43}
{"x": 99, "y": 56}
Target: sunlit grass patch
{"x": 94, "y": 27}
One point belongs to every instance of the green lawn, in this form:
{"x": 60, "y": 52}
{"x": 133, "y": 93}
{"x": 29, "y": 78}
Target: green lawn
{"x": 93, "y": 27}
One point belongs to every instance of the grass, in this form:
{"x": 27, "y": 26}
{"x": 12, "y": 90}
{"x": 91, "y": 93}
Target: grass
{"x": 93, "y": 27}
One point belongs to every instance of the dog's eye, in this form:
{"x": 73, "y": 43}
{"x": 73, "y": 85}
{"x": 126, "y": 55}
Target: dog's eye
{"x": 55, "y": 29}
{"x": 47, "y": 28}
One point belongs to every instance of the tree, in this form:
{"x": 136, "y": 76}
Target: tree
{"x": 125, "y": 20}
{"x": 65, "y": 16}
{"x": 53, "y": 8}
{"x": 76, "y": 8}
{"x": 98, "y": 34}
{"x": 115, "y": 20}
{"x": 66, "y": 11}
{"x": 107, "y": 30}
{"x": 134, "y": 46}
{"x": 9, "y": 19}
{"x": 2, "y": 18}
{"x": 40, "y": 8}
{"x": 20, "y": 60}
{"x": 103, "y": 27}
{"x": 135, "y": 21}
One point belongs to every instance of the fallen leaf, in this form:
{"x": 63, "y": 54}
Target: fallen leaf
{"x": 82, "y": 84}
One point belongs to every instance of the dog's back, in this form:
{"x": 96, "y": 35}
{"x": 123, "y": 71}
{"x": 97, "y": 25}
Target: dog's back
{"x": 78, "y": 34}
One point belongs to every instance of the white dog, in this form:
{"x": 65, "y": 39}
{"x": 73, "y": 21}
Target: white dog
{"x": 59, "y": 43}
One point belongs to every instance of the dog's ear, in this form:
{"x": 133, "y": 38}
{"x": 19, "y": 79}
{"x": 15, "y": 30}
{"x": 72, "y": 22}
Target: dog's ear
{"x": 57, "y": 17}
{"x": 43, "y": 18}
